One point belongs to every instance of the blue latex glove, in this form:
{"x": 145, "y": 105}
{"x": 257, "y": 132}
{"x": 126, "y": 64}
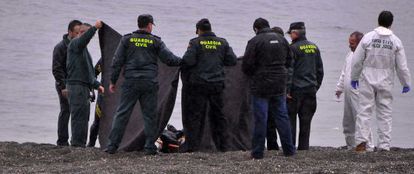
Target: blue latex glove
{"x": 405, "y": 89}
{"x": 355, "y": 84}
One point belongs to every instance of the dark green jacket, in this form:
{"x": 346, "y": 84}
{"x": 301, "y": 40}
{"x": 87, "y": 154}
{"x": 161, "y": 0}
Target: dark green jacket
{"x": 59, "y": 62}
{"x": 138, "y": 54}
{"x": 79, "y": 63}
{"x": 307, "y": 67}
{"x": 205, "y": 59}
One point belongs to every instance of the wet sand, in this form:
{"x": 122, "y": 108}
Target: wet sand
{"x": 47, "y": 158}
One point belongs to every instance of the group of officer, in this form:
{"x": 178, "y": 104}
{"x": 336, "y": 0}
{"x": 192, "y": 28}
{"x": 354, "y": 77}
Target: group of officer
{"x": 268, "y": 62}
{"x": 283, "y": 78}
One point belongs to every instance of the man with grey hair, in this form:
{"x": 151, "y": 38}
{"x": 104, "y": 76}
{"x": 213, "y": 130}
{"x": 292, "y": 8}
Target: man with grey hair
{"x": 306, "y": 81}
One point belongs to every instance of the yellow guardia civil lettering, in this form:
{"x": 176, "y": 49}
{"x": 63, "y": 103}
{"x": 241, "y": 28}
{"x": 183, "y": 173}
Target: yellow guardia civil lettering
{"x": 308, "y": 49}
{"x": 141, "y": 42}
{"x": 210, "y": 44}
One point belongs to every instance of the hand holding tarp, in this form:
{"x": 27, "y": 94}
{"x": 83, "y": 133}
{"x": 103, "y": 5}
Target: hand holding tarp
{"x": 98, "y": 24}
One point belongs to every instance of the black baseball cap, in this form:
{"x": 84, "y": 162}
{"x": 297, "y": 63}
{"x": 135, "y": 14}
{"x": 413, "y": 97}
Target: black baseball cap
{"x": 203, "y": 25}
{"x": 144, "y": 20}
{"x": 296, "y": 26}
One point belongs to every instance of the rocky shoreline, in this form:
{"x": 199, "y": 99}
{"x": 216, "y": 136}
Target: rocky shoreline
{"x": 47, "y": 158}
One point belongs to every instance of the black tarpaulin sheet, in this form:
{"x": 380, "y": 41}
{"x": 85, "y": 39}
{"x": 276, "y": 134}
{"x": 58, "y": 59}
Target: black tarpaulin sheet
{"x": 236, "y": 103}
{"x": 236, "y": 109}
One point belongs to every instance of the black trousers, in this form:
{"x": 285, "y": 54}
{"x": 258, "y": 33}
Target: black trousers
{"x": 94, "y": 130}
{"x": 146, "y": 92}
{"x": 200, "y": 98}
{"x": 302, "y": 106}
{"x": 63, "y": 120}
{"x": 271, "y": 135}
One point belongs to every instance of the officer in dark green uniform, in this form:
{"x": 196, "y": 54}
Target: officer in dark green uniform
{"x": 80, "y": 79}
{"x": 138, "y": 54}
{"x": 203, "y": 72}
{"x": 306, "y": 81}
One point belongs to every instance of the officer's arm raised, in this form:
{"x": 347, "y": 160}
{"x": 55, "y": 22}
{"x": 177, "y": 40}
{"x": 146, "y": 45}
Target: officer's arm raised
{"x": 83, "y": 41}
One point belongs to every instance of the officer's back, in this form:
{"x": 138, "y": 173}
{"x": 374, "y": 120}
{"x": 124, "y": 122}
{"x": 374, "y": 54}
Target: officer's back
{"x": 265, "y": 60}
{"x": 272, "y": 49}
{"x": 206, "y": 57}
{"x": 138, "y": 53}
{"x": 308, "y": 67}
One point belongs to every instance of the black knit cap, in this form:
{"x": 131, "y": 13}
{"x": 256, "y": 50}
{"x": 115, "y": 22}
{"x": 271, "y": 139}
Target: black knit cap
{"x": 203, "y": 25}
{"x": 144, "y": 20}
{"x": 260, "y": 23}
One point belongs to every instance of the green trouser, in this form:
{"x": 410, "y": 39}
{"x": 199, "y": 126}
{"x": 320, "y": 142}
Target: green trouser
{"x": 132, "y": 91}
{"x": 79, "y": 104}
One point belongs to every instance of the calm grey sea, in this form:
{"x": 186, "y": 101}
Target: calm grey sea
{"x": 30, "y": 29}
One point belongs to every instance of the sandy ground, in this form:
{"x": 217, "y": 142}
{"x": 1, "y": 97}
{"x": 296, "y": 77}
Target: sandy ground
{"x": 47, "y": 158}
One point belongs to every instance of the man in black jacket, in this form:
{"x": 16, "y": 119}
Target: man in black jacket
{"x": 271, "y": 135}
{"x": 59, "y": 72}
{"x": 203, "y": 68}
{"x": 264, "y": 62}
{"x": 80, "y": 80}
{"x": 306, "y": 80}
{"x": 138, "y": 55}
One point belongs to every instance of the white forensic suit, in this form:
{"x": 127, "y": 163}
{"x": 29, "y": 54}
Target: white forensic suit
{"x": 378, "y": 56}
{"x": 351, "y": 104}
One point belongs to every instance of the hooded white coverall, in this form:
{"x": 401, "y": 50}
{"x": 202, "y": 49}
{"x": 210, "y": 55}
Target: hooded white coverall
{"x": 379, "y": 54}
{"x": 351, "y": 104}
